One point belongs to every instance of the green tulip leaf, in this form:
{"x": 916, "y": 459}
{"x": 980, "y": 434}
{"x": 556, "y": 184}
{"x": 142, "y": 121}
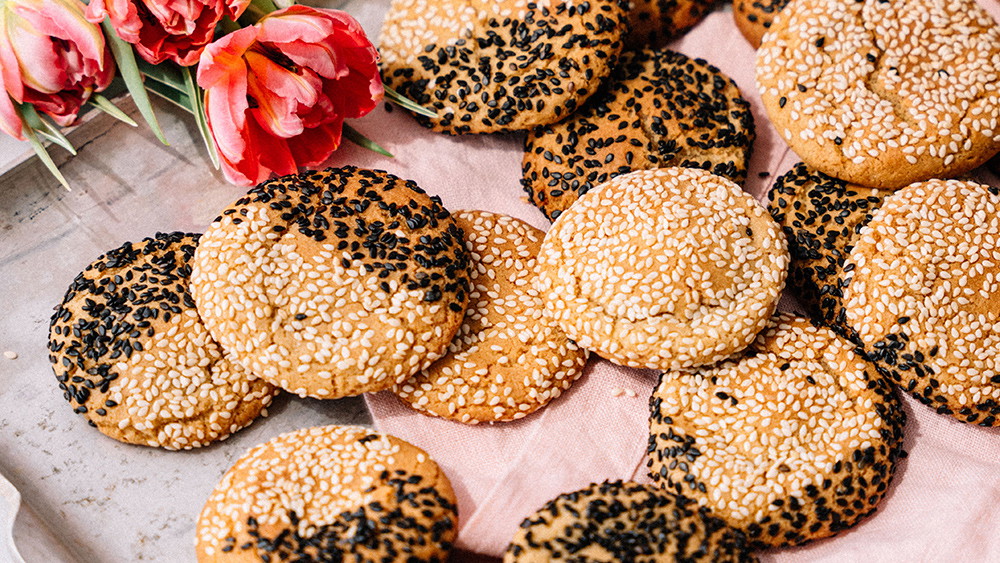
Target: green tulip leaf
{"x": 406, "y": 103}
{"x": 105, "y": 105}
{"x": 179, "y": 99}
{"x": 354, "y": 136}
{"x": 48, "y": 130}
{"x": 196, "y": 96}
{"x": 129, "y": 69}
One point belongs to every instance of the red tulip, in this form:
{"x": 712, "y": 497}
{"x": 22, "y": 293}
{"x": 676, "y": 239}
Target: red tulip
{"x": 51, "y": 57}
{"x": 175, "y": 30}
{"x": 277, "y": 93}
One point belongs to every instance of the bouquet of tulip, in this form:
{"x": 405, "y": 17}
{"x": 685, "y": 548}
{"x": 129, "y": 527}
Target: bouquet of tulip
{"x": 269, "y": 88}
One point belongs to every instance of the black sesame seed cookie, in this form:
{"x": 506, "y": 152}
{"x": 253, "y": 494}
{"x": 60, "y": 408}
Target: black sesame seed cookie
{"x": 130, "y": 351}
{"x": 921, "y": 291}
{"x": 882, "y": 93}
{"x": 754, "y": 17}
{"x": 624, "y": 522}
{"x": 820, "y": 216}
{"x": 795, "y": 439}
{"x": 503, "y": 65}
{"x": 655, "y": 22}
{"x": 507, "y": 360}
{"x": 334, "y": 493}
{"x": 659, "y": 108}
{"x": 663, "y": 269}
{"x": 333, "y": 283}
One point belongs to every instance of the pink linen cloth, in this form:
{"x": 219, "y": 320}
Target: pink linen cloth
{"x": 941, "y": 504}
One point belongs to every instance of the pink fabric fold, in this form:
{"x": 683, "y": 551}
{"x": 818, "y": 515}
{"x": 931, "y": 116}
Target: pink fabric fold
{"x": 941, "y": 505}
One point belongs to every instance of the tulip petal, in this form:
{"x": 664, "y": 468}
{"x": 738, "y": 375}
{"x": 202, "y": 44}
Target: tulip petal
{"x": 314, "y": 146}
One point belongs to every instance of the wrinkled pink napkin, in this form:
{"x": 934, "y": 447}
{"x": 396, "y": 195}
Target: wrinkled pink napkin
{"x": 942, "y": 503}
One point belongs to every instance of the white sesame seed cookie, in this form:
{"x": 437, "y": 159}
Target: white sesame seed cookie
{"x": 333, "y": 283}
{"x": 665, "y": 268}
{"x": 921, "y": 292}
{"x": 131, "y": 352}
{"x": 507, "y": 360}
{"x": 820, "y": 217}
{"x": 655, "y": 22}
{"x": 754, "y": 17}
{"x": 615, "y": 522}
{"x": 499, "y": 65}
{"x": 882, "y": 93}
{"x": 329, "y": 494}
{"x": 659, "y": 108}
{"x": 795, "y": 439}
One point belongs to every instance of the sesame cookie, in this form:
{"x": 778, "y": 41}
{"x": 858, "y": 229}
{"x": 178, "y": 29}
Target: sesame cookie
{"x": 921, "y": 292}
{"x": 655, "y": 22}
{"x": 614, "y": 522}
{"x": 820, "y": 216}
{"x": 883, "y": 93}
{"x": 130, "y": 350}
{"x": 658, "y": 109}
{"x": 499, "y": 65}
{"x": 795, "y": 439}
{"x": 666, "y": 268}
{"x": 333, "y": 283}
{"x": 754, "y": 17}
{"x": 507, "y": 360}
{"x": 334, "y": 493}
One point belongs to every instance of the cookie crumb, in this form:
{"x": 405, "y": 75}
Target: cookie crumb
{"x": 10, "y": 355}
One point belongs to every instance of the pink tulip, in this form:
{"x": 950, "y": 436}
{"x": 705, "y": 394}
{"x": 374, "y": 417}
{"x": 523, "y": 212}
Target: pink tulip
{"x": 51, "y": 57}
{"x": 277, "y": 93}
{"x": 175, "y": 30}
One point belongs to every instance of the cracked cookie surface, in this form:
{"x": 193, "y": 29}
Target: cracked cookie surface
{"x": 921, "y": 289}
{"x": 666, "y": 268}
{"x": 902, "y": 91}
{"x": 333, "y": 283}
{"x": 131, "y": 351}
{"x": 792, "y": 440}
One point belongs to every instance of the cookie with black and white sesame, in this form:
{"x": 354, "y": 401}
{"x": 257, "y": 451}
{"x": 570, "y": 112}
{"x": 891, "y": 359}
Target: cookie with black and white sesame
{"x": 334, "y": 493}
{"x": 921, "y": 292}
{"x": 754, "y": 17}
{"x": 507, "y": 360}
{"x": 820, "y": 216}
{"x": 655, "y": 22}
{"x": 131, "y": 352}
{"x": 333, "y": 283}
{"x": 665, "y": 268}
{"x": 658, "y": 109}
{"x": 504, "y": 65}
{"x": 795, "y": 439}
{"x": 624, "y": 521}
{"x": 917, "y": 99}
